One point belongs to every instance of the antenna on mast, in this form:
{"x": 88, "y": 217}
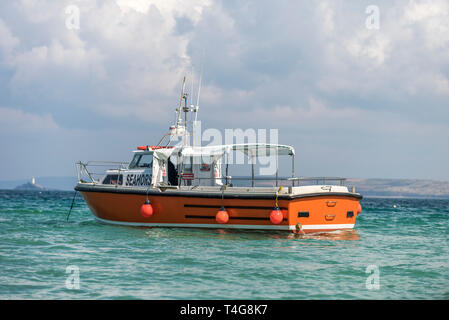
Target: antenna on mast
{"x": 199, "y": 89}
{"x": 178, "y": 121}
{"x": 197, "y": 106}
{"x": 191, "y": 84}
{"x": 180, "y": 128}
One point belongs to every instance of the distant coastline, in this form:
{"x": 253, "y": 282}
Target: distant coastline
{"x": 401, "y": 188}
{"x": 370, "y": 188}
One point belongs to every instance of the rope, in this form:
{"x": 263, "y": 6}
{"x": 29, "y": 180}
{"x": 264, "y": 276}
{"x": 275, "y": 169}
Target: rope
{"x": 277, "y": 194}
{"x": 71, "y": 206}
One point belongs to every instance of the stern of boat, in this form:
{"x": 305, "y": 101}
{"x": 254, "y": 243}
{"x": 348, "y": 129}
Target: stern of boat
{"x": 323, "y": 213}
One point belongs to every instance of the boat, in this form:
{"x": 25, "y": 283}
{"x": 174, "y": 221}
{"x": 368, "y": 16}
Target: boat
{"x": 187, "y": 185}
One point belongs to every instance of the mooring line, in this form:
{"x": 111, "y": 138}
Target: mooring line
{"x": 71, "y": 206}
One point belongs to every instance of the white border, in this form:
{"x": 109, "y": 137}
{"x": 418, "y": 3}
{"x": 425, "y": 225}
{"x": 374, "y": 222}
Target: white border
{"x": 229, "y": 226}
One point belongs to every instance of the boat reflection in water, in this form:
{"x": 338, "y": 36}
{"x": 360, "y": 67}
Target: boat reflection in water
{"x": 256, "y": 235}
{"x": 335, "y": 235}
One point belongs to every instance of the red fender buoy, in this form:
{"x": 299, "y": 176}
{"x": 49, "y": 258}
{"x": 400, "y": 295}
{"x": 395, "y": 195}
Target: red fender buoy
{"x": 359, "y": 209}
{"x": 147, "y": 209}
{"x": 276, "y": 216}
{"x": 222, "y": 216}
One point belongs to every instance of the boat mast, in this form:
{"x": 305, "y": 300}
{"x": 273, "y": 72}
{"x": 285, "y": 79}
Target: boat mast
{"x": 179, "y": 120}
{"x": 180, "y": 128}
{"x": 181, "y": 109}
{"x": 196, "y": 108}
{"x": 185, "y": 109}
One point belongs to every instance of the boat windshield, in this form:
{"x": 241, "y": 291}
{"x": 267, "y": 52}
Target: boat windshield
{"x": 142, "y": 161}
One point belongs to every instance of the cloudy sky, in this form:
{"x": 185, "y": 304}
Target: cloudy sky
{"x": 354, "y": 100}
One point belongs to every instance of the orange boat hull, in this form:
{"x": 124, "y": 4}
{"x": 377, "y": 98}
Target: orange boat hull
{"x": 313, "y": 213}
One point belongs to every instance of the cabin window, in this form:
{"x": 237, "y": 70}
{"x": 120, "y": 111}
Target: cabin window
{"x": 133, "y": 163}
{"x": 188, "y": 163}
{"x": 145, "y": 161}
{"x": 112, "y": 179}
{"x": 142, "y": 161}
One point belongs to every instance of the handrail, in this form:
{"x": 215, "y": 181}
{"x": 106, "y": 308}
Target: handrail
{"x": 113, "y": 162}
{"x": 324, "y": 179}
{"x": 84, "y": 169}
{"x": 228, "y": 179}
{"x": 123, "y": 165}
{"x": 274, "y": 178}
{"x": 316, "y": 178}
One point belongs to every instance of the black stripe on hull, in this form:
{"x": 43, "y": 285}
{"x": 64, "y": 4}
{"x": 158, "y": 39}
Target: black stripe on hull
{"x": 230, "y": 218}
{"x": 231, "y": 207}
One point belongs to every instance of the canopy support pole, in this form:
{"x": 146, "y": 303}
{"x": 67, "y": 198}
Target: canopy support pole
{"x": 252, "y": 172}
{"x": 293, "y": 169}
{"x": 179, "y": 170}
{"x": 227, "y": 168}
{"x": 277, "y": 169}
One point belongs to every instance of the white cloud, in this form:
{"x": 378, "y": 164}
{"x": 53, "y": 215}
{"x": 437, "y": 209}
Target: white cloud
{"x": 372, "y": 48}
{"x": 168, "y": 8}
{"x": 7, "y": 44}
{"x": 7, "y": 40}
{"x": 13, "y": 120}
{"x": 281, "y": 64}
{"x": 127, "y": 54}
{"x": 326, "y": 12}
{"x": 430, "y": 17}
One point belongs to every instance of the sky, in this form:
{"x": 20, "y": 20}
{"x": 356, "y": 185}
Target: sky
{"x": 359, "y": 92}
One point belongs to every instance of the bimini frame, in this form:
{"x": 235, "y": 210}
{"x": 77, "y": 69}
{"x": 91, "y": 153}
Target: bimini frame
{"x": 251, "y": 150}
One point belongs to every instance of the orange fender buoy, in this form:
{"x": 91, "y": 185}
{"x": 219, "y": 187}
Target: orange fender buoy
{"x": 359, "y": 209}
{"x": 276, "y": 216}
{"x": 147, "y": 209}
{"x": 222, "y": 216}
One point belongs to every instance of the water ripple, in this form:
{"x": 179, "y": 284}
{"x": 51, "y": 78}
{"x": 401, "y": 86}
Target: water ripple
{"x": 406, "y": 239}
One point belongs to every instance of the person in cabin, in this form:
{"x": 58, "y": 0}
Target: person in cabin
{"x": 172, "y": 174}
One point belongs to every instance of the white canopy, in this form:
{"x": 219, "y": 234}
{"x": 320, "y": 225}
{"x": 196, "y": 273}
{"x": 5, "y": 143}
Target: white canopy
{"x": 213, "y": 151}
{"x": 217, "y": 152}
{"x": 160, "y": 156}
{"x": 163, "y": 153}
{"x": 264, "y": 149}
{"x": 250, "y": 149}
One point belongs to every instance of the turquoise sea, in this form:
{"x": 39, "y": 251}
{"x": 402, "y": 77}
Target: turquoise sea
{"x": 398, "y": 250}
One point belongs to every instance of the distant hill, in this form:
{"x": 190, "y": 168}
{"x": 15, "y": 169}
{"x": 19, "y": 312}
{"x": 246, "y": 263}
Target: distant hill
{"x": 410, "y": 188}
{"x": 400, "y": 187}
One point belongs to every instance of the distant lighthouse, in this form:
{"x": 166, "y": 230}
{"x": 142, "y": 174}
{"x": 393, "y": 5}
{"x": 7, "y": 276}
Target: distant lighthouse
{"x": 30, "y": 186}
